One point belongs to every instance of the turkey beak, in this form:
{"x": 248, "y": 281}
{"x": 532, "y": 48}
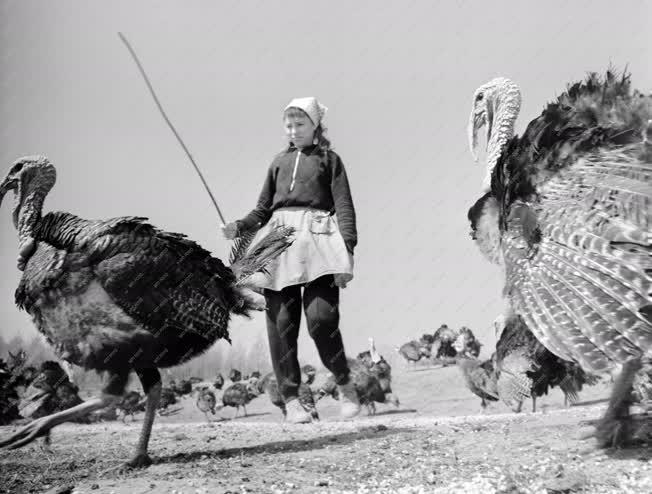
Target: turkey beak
{"x": 476, "y": 122}
{"x": 9, "y": 183}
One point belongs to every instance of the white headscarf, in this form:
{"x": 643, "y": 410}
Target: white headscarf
{"x": 313, "y": 108}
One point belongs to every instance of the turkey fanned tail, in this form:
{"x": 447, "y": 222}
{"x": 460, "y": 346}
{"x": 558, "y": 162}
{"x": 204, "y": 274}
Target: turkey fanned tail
{"x": 585, "y": 287}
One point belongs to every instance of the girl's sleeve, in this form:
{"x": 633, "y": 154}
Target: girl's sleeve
{"x": 343, "y": 204}
{"x": 262, "y": 212}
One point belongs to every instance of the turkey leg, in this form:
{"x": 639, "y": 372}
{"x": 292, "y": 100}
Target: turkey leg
{"x": 613, "y": 429}
{"x": 151, "y": 381}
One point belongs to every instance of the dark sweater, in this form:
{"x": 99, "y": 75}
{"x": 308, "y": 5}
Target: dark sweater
{"x": 320, "y": 183}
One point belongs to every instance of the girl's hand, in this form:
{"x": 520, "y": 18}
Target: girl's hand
{"x": 341, "y": 279}
{"x": 230, "y": 231}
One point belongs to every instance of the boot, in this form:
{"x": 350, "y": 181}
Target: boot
{"x": 349, "y": 399}
{"x": 295, "y": 412}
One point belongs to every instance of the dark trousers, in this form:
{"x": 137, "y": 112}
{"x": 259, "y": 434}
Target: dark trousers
{"x": 321, "y": 304}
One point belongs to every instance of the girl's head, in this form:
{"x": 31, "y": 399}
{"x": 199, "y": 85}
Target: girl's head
{"x": 303, "y": 123}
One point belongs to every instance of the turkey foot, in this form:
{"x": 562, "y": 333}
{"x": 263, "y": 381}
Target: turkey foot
{"x": 27, "y": 434}
{"x": 41, "y": 427}
{"x": 618, "y": 432}
{"x": 140, "y": 460}
{"x": 613, "y": 432}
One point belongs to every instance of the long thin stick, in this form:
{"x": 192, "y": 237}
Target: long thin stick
{"x": 167, "y": 120}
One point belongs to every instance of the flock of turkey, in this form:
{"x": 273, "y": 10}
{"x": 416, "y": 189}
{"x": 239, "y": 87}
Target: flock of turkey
{"x": 565, "y": 211}
{"x": 28, "y": 392}
{"x": 439, "y": 348}
{"x": 519, "y": 369}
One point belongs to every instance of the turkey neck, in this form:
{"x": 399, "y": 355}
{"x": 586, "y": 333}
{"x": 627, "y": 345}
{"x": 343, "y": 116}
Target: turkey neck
{"x": 29, "y": 215}
{"x": 506, "y": 107}
{"x": 30, "y": 206}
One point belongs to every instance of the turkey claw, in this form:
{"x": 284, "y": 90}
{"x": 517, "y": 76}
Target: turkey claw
{"x": 618, "y": 433}
{"x": 27, "y": 434}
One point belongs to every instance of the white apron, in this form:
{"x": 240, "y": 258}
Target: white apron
{"x": 318, "y": 249}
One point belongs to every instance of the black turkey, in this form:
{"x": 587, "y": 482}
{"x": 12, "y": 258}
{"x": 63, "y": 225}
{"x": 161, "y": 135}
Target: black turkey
{"x": 120, "y": 295}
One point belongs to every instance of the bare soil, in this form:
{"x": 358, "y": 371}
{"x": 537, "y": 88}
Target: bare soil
{"x": 438, "y": 441}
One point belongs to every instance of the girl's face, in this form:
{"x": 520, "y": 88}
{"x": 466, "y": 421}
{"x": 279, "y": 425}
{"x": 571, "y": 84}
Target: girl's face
{"x": 299, "y": 129}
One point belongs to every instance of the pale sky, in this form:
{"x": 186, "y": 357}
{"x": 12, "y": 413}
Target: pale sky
{"x": 398, "y": 80}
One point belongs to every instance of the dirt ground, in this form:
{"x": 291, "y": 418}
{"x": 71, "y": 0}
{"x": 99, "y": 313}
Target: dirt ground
{"x": 437, "y": 441}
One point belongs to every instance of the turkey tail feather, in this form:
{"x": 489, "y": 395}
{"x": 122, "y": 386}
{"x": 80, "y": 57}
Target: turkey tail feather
{"x": 585, "y": 283}
{"x": 240, "y": 246}
{"x": 247, "y": 261}
{"x": 569, "y": 389}
{"x": 513, "y": 385}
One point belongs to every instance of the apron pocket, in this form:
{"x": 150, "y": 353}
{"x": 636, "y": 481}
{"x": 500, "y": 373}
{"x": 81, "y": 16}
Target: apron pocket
{"x": 322, "y": 223}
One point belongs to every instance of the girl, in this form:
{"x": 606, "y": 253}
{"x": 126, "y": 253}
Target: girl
{"x": 306, "y": 188}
